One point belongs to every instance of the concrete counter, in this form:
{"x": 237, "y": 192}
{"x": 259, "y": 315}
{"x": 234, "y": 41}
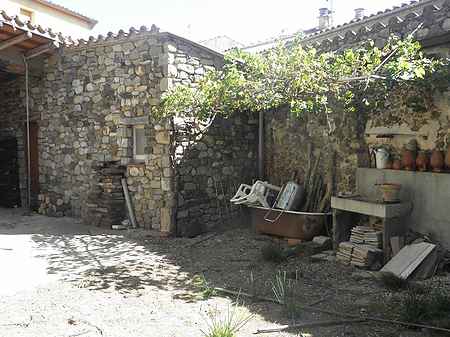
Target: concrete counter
{"x": 429, "y": 194}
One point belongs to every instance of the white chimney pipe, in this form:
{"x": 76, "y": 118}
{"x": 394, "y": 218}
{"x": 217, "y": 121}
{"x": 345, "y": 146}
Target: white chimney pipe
{"x": 324, "y": 18}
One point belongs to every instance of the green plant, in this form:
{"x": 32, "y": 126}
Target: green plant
{"x": 393, "y": 282}
{"x": 205, "y": 289}
{"x": 253, "y": 287}
{"x": 419, "y": 307}
{"x": 307, "y": 81}
{"x": 228, "y": 325}
{"x": 284, "y": 290}
{"x": 273, "y": 253}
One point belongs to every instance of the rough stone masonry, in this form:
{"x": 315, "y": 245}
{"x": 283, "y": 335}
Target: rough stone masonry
{"x": 90, "y": 98}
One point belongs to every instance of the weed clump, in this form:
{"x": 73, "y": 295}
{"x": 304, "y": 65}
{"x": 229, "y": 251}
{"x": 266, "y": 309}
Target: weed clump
{"x": 285, "y": 293}
{"x": 419, "y": 307}
{"x": 205, "y": 289}
{"x": 227, "y": 325}
{"x": 273, "y": 253}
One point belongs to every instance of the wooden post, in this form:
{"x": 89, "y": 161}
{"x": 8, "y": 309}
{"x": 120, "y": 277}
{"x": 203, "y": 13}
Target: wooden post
{"x": 130, "y": 209}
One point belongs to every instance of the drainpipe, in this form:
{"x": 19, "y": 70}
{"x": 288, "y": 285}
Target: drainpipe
{"x": 27, "y": 106}
{"x": 261, "y": 146}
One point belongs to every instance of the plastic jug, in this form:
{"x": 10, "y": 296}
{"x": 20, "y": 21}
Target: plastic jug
{"x": 381, "y": 158}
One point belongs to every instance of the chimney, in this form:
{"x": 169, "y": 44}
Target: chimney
{"x": 324, "y": 18}
{"x": 359, "y": 13}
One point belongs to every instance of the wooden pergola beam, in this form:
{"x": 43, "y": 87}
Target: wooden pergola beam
{"x": 41, "y": 49}
{"x": 15, "y": 40}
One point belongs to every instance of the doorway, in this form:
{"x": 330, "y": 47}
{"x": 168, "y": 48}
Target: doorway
{"x": 9, "y": 173}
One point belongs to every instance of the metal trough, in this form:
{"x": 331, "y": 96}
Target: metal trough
{"x": 291, "y": 224}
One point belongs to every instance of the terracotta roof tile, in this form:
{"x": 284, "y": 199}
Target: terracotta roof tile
{"x": 16, "y": 23}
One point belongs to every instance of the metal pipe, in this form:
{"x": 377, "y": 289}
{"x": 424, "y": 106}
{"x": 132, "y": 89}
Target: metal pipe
{"x": 27, "y": 106}
{"x": 261, "y": 146}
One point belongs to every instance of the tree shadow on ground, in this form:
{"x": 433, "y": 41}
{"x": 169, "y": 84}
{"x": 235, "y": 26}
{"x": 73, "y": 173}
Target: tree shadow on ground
{"x": 133, "y": 264}
{"x": 109, "y": 262}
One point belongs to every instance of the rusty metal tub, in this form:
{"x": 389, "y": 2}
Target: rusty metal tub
{"x": 291, "y": 224}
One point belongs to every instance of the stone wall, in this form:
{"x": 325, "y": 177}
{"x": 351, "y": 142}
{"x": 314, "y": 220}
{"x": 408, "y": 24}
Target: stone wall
{"x": 288, "y": 141}
{"x": 412, "y": 115}
{"x": 207, "y": 168}
{"x": 95, "y": 94}
{"x": 287, "y": 138}
{"x": 209, "y": 171}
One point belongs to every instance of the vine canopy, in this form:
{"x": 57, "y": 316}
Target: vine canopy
{"x": 304, "y": 79}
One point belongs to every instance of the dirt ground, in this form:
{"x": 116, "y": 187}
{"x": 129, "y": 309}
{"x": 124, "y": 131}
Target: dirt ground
{"x": 62, "y": 279}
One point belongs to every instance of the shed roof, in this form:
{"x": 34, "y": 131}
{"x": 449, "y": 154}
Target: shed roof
{"x": 382, "y": 17}
{"x": 28, "y": 38}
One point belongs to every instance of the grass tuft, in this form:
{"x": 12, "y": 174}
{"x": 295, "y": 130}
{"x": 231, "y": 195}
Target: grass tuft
{"x": 228, "y": 325}
{"x": 285, "y": 293}
{"x": 420, "y": 307}
{"x": 205, "y": 289}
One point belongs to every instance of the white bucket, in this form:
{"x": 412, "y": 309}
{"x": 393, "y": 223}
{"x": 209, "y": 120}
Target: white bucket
{"x": 381, "y": 158}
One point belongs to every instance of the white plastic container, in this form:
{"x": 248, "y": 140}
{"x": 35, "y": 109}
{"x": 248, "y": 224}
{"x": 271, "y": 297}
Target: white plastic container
{"x": 381, "y": 158}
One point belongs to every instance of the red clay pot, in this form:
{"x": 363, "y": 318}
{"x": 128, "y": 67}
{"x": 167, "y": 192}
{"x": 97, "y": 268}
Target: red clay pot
{"x": 437, "y": 161}
{"x": 397, "y": 164}
{"x": 409, "y": 160}
{"x": 422, "y": 161}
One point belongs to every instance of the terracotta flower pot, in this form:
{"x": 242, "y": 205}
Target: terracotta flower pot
{"x": 422, "y": 161}
{"x": 397, "y": 164}
{"x": 447, "y": 158}
{"x": 390, "y": 191}
{"x": 409, "y": 160}
{"x": 437, "y": 161}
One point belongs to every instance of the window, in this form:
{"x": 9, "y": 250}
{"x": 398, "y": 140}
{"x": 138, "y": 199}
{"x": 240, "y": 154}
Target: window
{"x": 26, "y": 14}
{"x": 139, "y": 142}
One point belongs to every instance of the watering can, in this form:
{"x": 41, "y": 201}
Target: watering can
{"x": 381, "y": 158}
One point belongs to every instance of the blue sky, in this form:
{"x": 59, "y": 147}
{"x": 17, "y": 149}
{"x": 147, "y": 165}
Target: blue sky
{"x": 246, "y": 21}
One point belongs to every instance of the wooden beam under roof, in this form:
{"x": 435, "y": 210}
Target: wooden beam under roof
{"x": 15, "y": 40}
{"x": 41, "y": 49}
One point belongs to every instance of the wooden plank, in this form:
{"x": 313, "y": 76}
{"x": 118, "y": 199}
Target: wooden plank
{"x": 129, "y": 204}
{"x": 416, "y": 263}
{"x": 397, "y": 243}
{"x": 34, "y": 158}
{"x": 408, "y": 259}
{"x": 15, "y": 40}
{"x": 41, "y": 49}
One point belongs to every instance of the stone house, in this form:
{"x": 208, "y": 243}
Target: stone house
{"x": 91, "y": 121}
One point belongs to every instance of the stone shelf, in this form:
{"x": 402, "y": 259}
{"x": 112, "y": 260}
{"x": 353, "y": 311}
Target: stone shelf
{"x": 372, "y": 208}
{"x": 392, "y": 215}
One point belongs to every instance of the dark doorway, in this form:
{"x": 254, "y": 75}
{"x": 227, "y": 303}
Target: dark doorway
{"x": 9, "y": 173}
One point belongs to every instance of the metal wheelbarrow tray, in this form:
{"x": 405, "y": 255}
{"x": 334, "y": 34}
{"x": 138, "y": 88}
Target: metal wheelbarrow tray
{"x": 291, "y": 224}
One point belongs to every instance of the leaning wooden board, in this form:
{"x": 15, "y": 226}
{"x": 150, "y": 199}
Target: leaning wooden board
{"x": 408, "y": 259}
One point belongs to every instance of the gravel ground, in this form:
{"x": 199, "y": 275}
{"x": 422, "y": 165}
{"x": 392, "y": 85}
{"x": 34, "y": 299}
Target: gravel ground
{"x": 60, "y": 278}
